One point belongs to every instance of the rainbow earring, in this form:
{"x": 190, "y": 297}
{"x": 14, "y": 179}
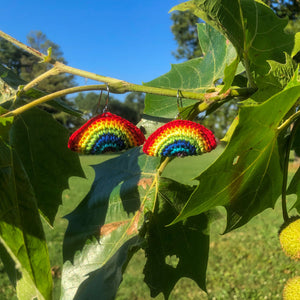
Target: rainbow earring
{"x": 180, "y": 138}
{"x": 105, "y": 133}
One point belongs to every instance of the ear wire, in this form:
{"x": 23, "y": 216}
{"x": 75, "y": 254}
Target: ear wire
{"x": 179, "y": 104}
{"x": 99, "y": 102}
{"x": 106, "y": 102}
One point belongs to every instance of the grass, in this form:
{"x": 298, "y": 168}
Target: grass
{"x": 244, "y": 264}
{"x": 247, "y": 263}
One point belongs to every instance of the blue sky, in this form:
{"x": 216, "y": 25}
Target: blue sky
{"x": 129, "y": 40}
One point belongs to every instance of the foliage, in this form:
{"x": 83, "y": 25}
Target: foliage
{"x": 184, "y": 26}
{"x": 132, "y": 205}
{"x": 184, "y": 29}
{"x": 26, "y": 161}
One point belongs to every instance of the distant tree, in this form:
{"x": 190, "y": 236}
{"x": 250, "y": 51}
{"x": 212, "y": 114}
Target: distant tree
{"x": 11, "y": 56}
{"x": 30, "y": 68}
{"x": 283, "y": 8}
{"x": 87, "y": 103}
{"x": 136, "y": 101}
{"x": 220, "y": 120}
{"x": 185, "y": 32}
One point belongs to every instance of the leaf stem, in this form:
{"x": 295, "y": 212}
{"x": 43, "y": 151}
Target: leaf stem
{"x": 156, "y": 180}
{"x": 288, "y": 121}
{"x": 285, "y": 169}
{"x": 245, "y": 50}
{"x": 284, "y": 184}
{"x": 248, "y": 72}
{"x": 163, "y": 166}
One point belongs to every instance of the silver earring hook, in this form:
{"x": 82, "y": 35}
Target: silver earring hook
{"x": 179, "y": 104}
{"x": 99, "y": 103}
{"x": 106, "y": 103}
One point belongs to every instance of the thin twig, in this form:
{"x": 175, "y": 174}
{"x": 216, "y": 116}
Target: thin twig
{"x": 288, "y": 121}
{"x": 285, "y": 169}
{"x": 40, "y": 78}
{"x": 53, "y": 96}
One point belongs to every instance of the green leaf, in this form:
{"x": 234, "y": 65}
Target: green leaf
{"x": 247, "y": 177}
{"x": 106, "y": 280}
{"x": 296, "y": 48}
{"x": 5, "y": 124}
{"x": 279, "y": 75}
{"x": 113, "y": 210}
{"x": 231, "y": 129}
{"x": 229, "y": 74}
{"x": 253, "y": 28}
{"x": 177, "y": 251}
{"x": 195, "y": 75}
{"x": 41, "y": 143}
{"x": 21, "y": 231}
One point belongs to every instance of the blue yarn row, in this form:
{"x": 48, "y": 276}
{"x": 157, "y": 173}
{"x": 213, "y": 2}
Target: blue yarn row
{"x": 108, "y": 142}
{"x": 179, "y": 148}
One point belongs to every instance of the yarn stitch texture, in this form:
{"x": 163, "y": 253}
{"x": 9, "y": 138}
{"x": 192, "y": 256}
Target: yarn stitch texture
{"x": 180, "y": 138}
{"x": 105, "y": 133}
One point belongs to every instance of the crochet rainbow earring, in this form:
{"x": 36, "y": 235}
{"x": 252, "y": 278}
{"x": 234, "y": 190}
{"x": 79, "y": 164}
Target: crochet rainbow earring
{"x": 180, "y": 138}
{"x": 105, "y": 133}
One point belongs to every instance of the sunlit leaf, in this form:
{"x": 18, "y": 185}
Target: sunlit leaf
{"x": 279, "y": 75}
{"x": 195, "y": 75}
{"x": 21, "y": 231}
{"x": 113, "y": 211}
{"x": 296, "y": 48}
{"x": 247, "y": 177}
{"x": 253, "y": 28}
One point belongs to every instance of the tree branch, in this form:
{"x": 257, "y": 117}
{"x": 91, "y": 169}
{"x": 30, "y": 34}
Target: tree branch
{"x": 28, "y": 49}
{"x": 115, "y": 85}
